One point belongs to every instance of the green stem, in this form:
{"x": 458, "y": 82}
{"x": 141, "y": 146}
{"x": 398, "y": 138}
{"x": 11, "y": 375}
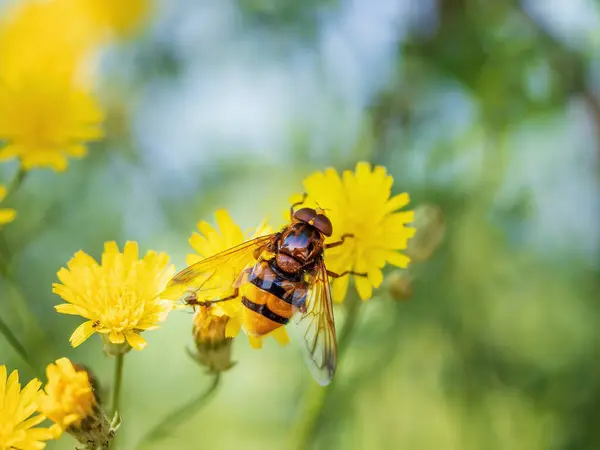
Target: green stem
{"x": 16, "y": 183}
{"x": 177, "y": 416}
{"x": 16, "y": 345}
{"x": 118, "y": 381}
{"x": 316, "y": 397}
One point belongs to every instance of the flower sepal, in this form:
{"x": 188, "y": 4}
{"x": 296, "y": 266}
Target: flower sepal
{"x": 213, "y": 346}
{"x": 112, "y": 349}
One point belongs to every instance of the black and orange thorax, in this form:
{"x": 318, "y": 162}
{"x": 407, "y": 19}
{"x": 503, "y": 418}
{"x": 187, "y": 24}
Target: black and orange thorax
{"x": 268, "y": 298}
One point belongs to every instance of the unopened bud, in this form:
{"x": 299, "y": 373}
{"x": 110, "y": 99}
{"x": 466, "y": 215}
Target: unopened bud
{"x": 213, "y": 347}
{"x": 431, "y": 228}
{"x": 400, "y": 285}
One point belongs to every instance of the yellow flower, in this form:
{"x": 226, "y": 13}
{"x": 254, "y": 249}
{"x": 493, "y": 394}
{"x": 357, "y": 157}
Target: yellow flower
{"x": 359, "y": 203}
{"x": 210, "y": 242}
{"x": 17, "y": 421}
{"x": 7, "y": 215}
{"x": 70, "y": 402}
{"x": 47, "y": 113}
{"x": 44, "y": 120}
{"x": 68, "y": 397}
{"x": 119, "y": 297}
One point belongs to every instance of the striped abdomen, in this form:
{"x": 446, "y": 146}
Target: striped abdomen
{"x": 268, "y": 299}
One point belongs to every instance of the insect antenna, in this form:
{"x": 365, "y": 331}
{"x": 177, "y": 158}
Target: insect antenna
{"x": 321, "y": 210}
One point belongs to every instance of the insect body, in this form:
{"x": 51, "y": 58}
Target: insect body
{"x": 280, "y": 277}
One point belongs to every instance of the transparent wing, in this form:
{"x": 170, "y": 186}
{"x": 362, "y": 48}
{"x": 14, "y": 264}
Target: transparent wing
{"x": 217, "y": 273}
{"x": 313, "y": 324}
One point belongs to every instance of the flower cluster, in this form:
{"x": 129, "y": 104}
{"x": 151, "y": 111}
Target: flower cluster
{"x": 123, "y": 295}
{"x": 68, "y": 400}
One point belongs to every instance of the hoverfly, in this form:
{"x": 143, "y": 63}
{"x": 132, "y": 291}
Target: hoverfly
{"x": 282, "y": 276}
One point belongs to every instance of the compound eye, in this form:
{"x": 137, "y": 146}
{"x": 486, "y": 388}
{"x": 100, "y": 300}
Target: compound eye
{"x": 323, "y": 224}
{"x": 305, "y": 214}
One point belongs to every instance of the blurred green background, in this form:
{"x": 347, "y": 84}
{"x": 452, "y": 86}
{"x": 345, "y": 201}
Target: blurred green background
{"x": 488, "y": 110}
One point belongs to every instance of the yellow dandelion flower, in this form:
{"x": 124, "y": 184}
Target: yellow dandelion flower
{"x": 44, "y": 120}
{"x": 7, "y": 215}
{"x": 69, "y": 401}
{"x": 210, "y": 242}
{"x": 17, "y": 409}
{"x": 119, "y": 297}
{"x": 359, "y": 203}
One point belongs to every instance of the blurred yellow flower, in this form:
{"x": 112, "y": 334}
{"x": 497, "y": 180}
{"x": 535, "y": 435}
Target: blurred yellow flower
{"x": 7, "y": 215}
{"x": 45, "y": 37}
{"x": 44, "y": 120}
{"x": 17, "y": 407}
{"x": 359, "y": 203}
{"x": 210, "y": 242}
{"x": 68, "y": 398}
{"x": 119, "y": 297}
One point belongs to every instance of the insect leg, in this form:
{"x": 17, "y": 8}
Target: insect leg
{"x": 347, "y": 272}
{"x": 235, "y": 293}
{"x": 340, "y": 242}
{"x": 304, "y": 195}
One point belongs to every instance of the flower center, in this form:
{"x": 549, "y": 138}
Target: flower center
{"x": 124, "y": 311}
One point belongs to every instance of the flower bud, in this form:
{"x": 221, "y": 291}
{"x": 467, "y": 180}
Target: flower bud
{"x": 431, "y": 228}
{"x": 212, "y": 345}
{"x": 400, "y": 285}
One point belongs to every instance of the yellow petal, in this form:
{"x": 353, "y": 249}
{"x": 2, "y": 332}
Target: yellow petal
{"x": 397, "y": 259}
{"x": 2, "y": 193}
{"x": 255, "y": 342}
{"x": 74, "y": 310}
{"x": 116, "y": 337}
{"x": 375, "y": 277}
{"x": 281, "y": 336}
{"x": 192, "y": 258}
{"x": 111, "y": 247}
{"x": 340, "y": 288}
{"x": 199, "y": 243}
{"x": 232, "y": 328}
{"x": 136, "y": 340}
{"x": 397, "y": 202}
{"x": 131, "y": 252}
{"x": 207, "y": 230}
{"x": 82, "y": 333}
{"x": 363, "y": 287}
